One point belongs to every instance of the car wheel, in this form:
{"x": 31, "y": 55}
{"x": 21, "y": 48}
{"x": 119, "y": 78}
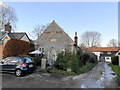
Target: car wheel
{"x": 18, "y": 72}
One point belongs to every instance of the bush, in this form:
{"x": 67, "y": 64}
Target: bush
{"x": 89, "y": 57}
{"x": 44, "y": 70}
{"x": 76, "y": 63}
{"x": 86, "y": 67}
{"x": 61, "y": 72}
{"x": 61, "y": 62}
{"x": 24, "y": 55}
{"x": 15, "y": 47}
{"x": 115, "y": 60}
{"x": 85, "y": 59}
{"x": 68, "y": 61}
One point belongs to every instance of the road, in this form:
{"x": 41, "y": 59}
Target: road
{"x": 95, "y": 78}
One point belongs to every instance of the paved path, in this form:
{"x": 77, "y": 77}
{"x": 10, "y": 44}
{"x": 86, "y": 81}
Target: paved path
{"x": 101, "y": 76}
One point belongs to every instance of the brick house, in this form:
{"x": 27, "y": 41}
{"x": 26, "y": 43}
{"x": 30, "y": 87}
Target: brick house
{"x": 55, "y": 40}
{"x": 1, "y": 50}
{"x": 104, "y": 52}
{"x": 7, "y": 35}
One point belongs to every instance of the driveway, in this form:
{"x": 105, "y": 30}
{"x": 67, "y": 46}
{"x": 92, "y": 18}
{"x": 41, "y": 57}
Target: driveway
{"x": 34, "y": 80}
{"x": 99, "y": 77}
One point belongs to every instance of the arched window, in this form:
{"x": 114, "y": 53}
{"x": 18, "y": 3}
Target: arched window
{"x": 63, "y": 50}
{"x": 52, "y": 55}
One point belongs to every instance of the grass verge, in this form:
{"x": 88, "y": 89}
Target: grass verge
{"x": 61, "y": 72}
{"x": 116, "y": 69}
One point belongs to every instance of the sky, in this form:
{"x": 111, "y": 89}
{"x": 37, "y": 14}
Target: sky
{"x": 71, "y": 16}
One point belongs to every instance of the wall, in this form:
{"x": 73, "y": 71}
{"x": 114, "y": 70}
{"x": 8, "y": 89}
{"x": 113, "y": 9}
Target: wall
{"x": 25, "y": 38}
{"x": 98, "y": 55}
{"x": 1, "y": 51}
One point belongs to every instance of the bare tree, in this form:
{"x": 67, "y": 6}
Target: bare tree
{"x": 82, "y": 46}
{"x": 91, "y": 38}
{"x": 7, "y": 15}
{"x": 38, "y": 29}
{"x": 113, "y": 43}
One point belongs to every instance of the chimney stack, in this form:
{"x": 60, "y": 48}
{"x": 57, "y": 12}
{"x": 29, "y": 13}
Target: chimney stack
{"x": 8, "y": 27}
{"x": 75, "y": 39}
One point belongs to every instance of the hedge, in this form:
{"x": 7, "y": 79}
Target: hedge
{"x": 15, "y": 47}
{"x": 115, "y": 60}
{"x": 89, "y": 57}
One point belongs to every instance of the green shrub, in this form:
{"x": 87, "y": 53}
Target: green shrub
{"x": 75, "y": 63}
{"x": 61, "y": 72}
{"x": 61, "y": 62}
{"x": 24, "y": 55}
{"x": 44, "y": 70}
{"x": 85, "y": 59}
{"x": 115, "y": 60}
{"x": 89, "y": 57}
{"x": 86, "y": 67}
{"x": 68, "y": 61}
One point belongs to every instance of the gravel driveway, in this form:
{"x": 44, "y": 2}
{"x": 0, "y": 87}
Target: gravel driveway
{"x": 99, "y": 77}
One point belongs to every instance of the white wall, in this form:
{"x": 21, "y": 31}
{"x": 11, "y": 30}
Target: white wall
{"x": 98, "y": 54}
{"x": 25, "y": 38}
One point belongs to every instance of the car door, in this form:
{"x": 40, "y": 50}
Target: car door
{"x": 12, "y": 63}
{"x": 5, "y": 64}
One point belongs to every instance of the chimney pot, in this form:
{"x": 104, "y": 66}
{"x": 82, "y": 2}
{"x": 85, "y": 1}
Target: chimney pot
{"x": 75, "y": 39}
{"x": 8, "y": 27}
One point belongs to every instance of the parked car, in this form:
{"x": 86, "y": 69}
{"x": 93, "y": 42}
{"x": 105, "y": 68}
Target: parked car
{"x": 19, "y": 65}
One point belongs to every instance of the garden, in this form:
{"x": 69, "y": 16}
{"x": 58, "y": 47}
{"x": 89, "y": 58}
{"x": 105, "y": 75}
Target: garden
{"x": 72, "y": 64}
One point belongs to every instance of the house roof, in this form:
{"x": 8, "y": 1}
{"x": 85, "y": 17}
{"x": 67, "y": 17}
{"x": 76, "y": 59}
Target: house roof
{"x": 17, "y": 35}
{"x": 101, "y": 49}
{"x": 2, "y": 34}
{"x": 54, "y": 35}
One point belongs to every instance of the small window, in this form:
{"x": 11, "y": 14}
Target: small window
{"x": 41, "y": 49}
{"x": 108, "y": 52}
{"x": 101, "y": 52}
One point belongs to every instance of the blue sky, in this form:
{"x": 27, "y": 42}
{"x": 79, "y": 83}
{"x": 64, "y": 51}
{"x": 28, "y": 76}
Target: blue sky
{"x": 72, "y": 17}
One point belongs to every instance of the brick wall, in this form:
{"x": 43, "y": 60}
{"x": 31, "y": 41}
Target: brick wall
{"x": 1, "y": 51}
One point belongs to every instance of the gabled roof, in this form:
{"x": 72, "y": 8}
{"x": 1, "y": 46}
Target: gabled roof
{"x": 3, "y": 34}
{"x": 102, "y": 49}
{"x": 17, "y": 35}
{"x": 57, "y": 31}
